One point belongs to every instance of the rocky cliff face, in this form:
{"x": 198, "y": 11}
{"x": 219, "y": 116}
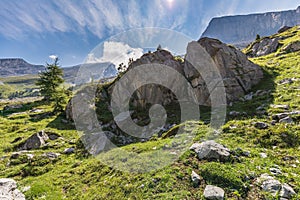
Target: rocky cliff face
{"x": 17, "y": 67}
{"x": 244, "y": 28}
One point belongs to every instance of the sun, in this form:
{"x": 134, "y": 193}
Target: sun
{"x": 170, "y": 3}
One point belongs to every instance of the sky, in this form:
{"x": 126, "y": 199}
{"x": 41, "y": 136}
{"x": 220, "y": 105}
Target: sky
{"x": 71, "y": 29}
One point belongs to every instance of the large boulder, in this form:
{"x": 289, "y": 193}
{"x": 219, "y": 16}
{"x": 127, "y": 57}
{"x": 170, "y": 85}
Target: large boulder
{"x": 9, "y": 191}
{"x": 237, "y": 72}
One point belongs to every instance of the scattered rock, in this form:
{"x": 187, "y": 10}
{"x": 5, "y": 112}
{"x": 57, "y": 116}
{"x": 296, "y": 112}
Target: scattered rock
{"x": 287, "y": 120}
{"x": 38, "y": 140}
{"x": 195, "y": 179}
{"x": 279, "y": 116}
{"x": 35, "y": 110}
{"x": 35, "y": 141}
{"x": 261, "y": 125}
{"x": 213, "y": 193}
{"x": 51, "y": 155}
{"x": 9, "y": 191}
{"x": 285, "y": 107}
{"x": 248, "y": 97}
{"x": 12, "y": 107}
{"x": 287, "y": 191}
{"x": 210, "y": 150}
{"x": 264, "y": 46}
{"x": 263, "y": 155}
{"x": 274, "y": 187}
{"x": 292, "y": 47}
{"x": 283, "y": 29}
{"x": 275, "y": 171}
{"x": 69, "y": 150}
{"x": 288, "y": 81}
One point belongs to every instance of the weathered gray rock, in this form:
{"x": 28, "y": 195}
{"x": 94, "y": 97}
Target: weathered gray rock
{"x": 51, "y": 155}
{"x": 261, "y": 125}
{"x": 9, "y": 191}
{"x": 287, "y": 120}
{"x": 12, "y": 107}
{"x": 69, "y": 150}
{"x": 292, "y": 47}
{"x": 237, "y": 72}
{"x": 195, "y": 179}
{"x": 210, "y": 150}
{"x": 283, "y": 29}
{"x": 35, "y": 141}
{"x": 274, "y": 187}
{"x": 213, "y": 193}
{"x": 263, "y": 47}
{"x": 285, "y": 107}
{"x": 275, "y": 171}
{"x": 287, "y": 191}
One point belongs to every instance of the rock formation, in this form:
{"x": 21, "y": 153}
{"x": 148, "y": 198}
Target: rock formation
{"x": 244, "y": 28}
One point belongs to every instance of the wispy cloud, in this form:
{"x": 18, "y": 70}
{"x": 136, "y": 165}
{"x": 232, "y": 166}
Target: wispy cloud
{"x": 19, "y": 18}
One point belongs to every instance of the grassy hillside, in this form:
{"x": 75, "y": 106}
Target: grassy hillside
{"x": 80, "y": 176}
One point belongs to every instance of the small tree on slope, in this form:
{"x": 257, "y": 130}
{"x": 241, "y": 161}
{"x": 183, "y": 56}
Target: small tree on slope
{"x": 49, "y": 82}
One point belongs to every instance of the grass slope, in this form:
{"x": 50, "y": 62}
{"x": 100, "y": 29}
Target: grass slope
{"x": 79, "y": 176}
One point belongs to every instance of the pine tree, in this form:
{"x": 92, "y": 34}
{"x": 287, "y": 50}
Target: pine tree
{"x": 49, "y": 83}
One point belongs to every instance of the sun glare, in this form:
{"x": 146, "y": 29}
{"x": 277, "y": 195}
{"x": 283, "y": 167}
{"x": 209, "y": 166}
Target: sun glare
{"x": 170, "y": 2}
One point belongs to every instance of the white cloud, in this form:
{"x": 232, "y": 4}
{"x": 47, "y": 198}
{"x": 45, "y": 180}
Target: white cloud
{"x": 116, "y": 53}
{"x": 53, "y": 57}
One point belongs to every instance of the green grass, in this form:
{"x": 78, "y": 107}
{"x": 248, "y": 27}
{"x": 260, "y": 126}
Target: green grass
{"x": 81, "y": 176}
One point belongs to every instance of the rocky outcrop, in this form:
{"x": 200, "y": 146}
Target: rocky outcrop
{"x": 146, "y": 87}
{"x": 8, "y": 190}
{"x": 244, "y": 28}
{"x": 263, "y": 47}
{"x": 237, "y": 72}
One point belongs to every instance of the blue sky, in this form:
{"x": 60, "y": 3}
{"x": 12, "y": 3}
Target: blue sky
{"x": 35, "y": 29}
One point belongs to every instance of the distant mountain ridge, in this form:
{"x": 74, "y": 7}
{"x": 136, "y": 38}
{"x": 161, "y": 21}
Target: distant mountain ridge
{"x": 241, "y": 29}
{"x": 19, "y": 67}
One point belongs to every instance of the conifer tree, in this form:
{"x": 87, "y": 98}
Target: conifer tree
{"x": 50, "y": 82}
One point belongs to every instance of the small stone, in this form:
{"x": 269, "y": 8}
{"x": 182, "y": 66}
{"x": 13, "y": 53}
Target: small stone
{"x": 195, "y": 179}
{"x": 69, "y": 150}
{"x": 272, "y": 186}
{"x": 261, "y": 125}
{"x": 279, "y": 116}
{"x": 263, "y": 155}
{"x": 51, "y": 155}
{"x": 213, "y": 193}
{"x": 275, "y": 171}
{"x": 285, "y": 107}
{"x": 287, "y": 120}
{"x": 286, "y": 191}
{"x": 211, "y": 150}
